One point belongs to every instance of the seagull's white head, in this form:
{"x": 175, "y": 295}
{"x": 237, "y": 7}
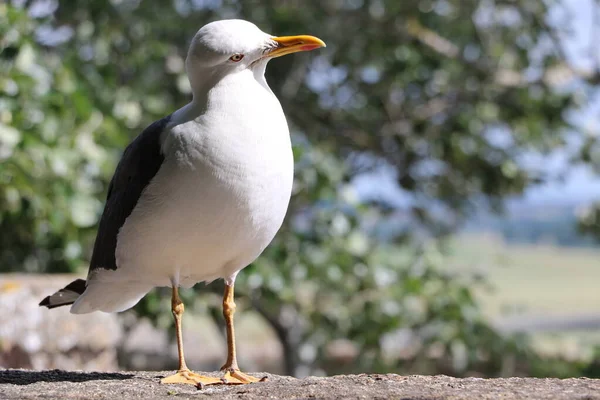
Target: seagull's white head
{"x": 229, "y": 46}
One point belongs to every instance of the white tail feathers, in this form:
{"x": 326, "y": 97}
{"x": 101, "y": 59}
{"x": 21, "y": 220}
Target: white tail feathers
{"x": 109, "y": 296}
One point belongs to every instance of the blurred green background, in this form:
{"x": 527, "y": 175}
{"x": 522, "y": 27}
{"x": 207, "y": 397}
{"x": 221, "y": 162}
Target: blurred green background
{"x": 443, "y": 216}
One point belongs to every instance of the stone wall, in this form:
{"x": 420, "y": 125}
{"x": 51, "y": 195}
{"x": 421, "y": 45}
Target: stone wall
{"x": 21, "y": 385}
{"x": 38, "y": 338}
{"x": 35, "y": 337}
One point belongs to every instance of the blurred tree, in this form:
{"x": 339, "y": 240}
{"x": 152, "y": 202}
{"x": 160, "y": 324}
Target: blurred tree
{"x": 589, "y": 222}
{"x": 447, "y": 95}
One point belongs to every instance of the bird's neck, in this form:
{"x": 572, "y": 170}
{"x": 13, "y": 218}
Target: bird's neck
{"x": 187, "y": 113}
{"x": 201, "y": 81}
{"x": 202, "y": 90}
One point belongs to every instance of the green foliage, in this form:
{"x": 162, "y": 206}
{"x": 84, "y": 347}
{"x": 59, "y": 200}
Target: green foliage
{"x": 443, "y": 92}
{"x": 589, "y": 222}
{"x": 51, "y": 169}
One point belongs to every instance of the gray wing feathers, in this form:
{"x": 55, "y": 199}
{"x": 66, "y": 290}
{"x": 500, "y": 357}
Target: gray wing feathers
{"x": 140, "y": 163}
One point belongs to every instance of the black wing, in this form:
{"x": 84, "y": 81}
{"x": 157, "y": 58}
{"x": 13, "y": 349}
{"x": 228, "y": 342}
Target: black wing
{"x": 139, "y": 164}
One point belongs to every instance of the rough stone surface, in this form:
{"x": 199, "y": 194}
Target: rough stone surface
{"x": 24, "y": 384}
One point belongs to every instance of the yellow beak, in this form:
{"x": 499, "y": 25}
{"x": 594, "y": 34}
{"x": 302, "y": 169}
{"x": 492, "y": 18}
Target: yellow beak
{"x": 293, "y": 44}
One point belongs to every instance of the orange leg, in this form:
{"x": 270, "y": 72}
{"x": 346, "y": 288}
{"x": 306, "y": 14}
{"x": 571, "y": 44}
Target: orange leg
{"x": 233, "y": 375}
{"x": 184, "y": 375}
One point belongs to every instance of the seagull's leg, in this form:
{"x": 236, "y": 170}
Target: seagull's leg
{"x": 184, "y": 375}
{"x": 233, "y": 375}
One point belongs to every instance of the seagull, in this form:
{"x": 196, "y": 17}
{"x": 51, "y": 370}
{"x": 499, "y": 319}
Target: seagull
{"x": 199, "y": 194}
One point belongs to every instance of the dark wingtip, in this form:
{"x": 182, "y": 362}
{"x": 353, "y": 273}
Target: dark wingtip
{"x": 65, "y": 296}
{"x": 45, "y": 302}
{"x": 77, "y": 286}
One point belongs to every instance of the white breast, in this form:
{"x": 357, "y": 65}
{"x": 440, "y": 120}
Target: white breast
{"x": 220, "y": 196}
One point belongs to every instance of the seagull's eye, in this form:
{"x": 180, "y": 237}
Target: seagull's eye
{"x": 236, "y": 57}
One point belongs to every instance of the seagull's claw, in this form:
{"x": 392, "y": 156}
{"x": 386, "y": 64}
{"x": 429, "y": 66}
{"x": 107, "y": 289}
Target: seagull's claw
{"x": 237, "y": 377}
{"x": 191, "y": 378}
{"x": 231, "y": 377}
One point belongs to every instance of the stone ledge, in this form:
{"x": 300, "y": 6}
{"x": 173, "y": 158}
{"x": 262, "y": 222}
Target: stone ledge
{"x": 56, "y": 384}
